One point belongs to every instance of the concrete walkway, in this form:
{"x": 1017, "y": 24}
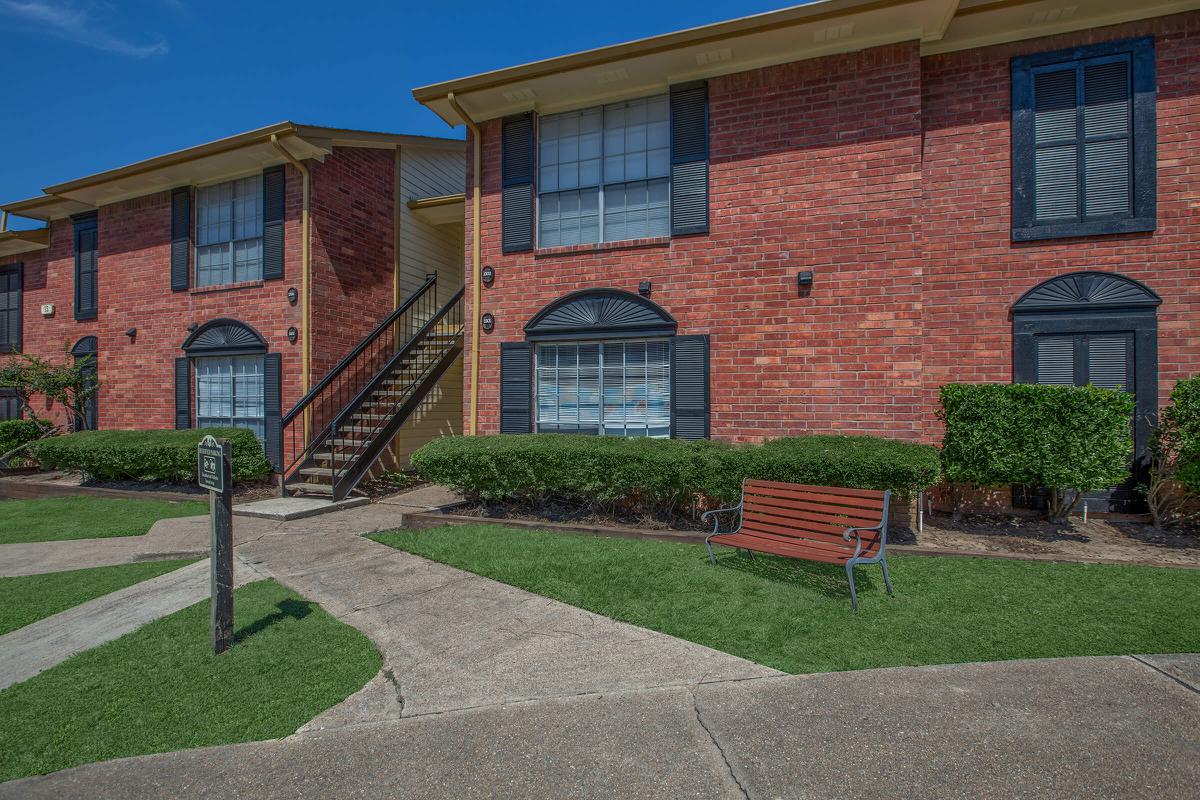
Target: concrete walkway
{"x": 1095, "y": 728}
{"x": 489, "y": 691}
{"x": 27, "y": 651}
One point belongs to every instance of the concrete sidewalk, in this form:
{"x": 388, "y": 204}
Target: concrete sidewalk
{"x": 40, "y": 645}
{"x": 1088, "y": 727}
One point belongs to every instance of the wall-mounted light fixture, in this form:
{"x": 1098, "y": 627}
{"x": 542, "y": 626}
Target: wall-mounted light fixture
{"x": 644, "y": 288}
{"x": 804, "y": 280}
{"x": 488, "y": 274}
{"x": 293, "y": 334}
{"x": 488, "y": 322}
{"x": 131, "y": 333}
{"x": 293, "y": 295}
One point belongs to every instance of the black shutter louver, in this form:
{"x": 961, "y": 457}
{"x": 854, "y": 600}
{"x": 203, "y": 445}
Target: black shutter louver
{"x": 1084, "y": 141}
{"x": 516, "y": 390}
{"x": 86, "y": 264}
{"x": 516, "y": 185}
{"x": 11, "y": 300}
{"x": 183, "y": 395}
{"x": 689, "y": 158}
{"x": 181, "y": 238}
{"x": 273, "y": 401}
{"x": 690, "y": 402}
{"x": 273, "y": 187}
{"x": 1055, "y": 360}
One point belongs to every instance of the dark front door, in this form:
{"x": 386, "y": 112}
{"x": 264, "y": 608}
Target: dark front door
{"x": 87, "y": 350}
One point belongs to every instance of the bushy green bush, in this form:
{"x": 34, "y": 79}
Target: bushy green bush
{"x": 1069, "y": 439}
{"x": 856, "y": 462}
{"x": 161, "y": 455}
{"x": 658, "y": 475}
{"x": 1175, "y": 452}
{"x": 16, "y": 432}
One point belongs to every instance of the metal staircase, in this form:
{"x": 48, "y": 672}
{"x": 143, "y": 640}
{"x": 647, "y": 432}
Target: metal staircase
{"x": 354, "y": 412}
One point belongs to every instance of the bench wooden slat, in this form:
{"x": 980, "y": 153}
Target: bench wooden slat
{"x": 784, "y": 535}
{"x": 831, "y": 490}
{"x": 835, "y": 501}
{"x": 790, "y": 509}
{"x": 816, "y": 545}
{"x": 784, "y": 549}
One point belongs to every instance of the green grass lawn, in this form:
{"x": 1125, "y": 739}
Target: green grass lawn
{"x": 29, "y": 598}
{"x": 161, "y": 688}
{"x": 795, "y": 616}
{"x": 62, "y": 518}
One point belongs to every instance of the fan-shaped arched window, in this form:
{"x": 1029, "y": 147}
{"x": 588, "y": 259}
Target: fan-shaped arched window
{"x": 1095, "y": 328}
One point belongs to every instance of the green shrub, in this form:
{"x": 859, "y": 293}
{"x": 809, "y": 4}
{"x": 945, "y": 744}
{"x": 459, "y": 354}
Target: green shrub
{"x": 657, "y": 475}
{"x": 16, "y": 432}
{"x": 856, "y": 462}
{"x": 1175, "y": 452}
{"x": 1069, "y": 439}
{"x": 162, "y": 455}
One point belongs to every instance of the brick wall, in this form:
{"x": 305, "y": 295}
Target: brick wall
{"x": 973, "y": 271}
{"x": 352, "y": 262}
{"x": 815, "y": 166}
{"x": 353, "y": 257}
{"x": 888, "y": 176}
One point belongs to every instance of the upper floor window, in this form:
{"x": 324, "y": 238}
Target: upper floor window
{"x": 229, "y": 232}
{"x": 604, "y": 173}
{"x": 1084, "y": 141}
{"x": 86, "y": 263}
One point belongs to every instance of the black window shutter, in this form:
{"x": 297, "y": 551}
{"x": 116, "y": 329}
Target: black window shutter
{"x": 183, "y": 394}
{"x": 273, "y": 400}
{"x": 1084, "y": 141}
{"x": 273, "y": 212}
{"x": 181, "y": 237}
{"x": 11, "y": 307}
{"x": 10, "y": 405}
{"x": 689, "y": 158}
{"x": 690, "y": 403}
{"x": 516, "y": 184}
{"x": 516, "y": 389}
{"x": 86, "y": 255}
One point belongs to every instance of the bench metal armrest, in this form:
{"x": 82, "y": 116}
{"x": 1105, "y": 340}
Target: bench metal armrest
{"x": 717, "y": 522}
{"x": 881, "y": 527}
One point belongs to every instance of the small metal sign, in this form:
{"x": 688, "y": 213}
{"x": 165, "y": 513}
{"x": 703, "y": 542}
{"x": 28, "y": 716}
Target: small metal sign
{"x": 209, "y": 456}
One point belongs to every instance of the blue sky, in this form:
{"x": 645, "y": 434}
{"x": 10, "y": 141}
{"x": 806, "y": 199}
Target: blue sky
{"x": 94, "y": 84}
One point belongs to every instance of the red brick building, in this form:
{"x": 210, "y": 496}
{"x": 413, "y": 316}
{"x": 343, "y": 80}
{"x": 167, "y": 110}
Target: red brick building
{"x": 218, "y": 284}
{"x": 808, "y": 221}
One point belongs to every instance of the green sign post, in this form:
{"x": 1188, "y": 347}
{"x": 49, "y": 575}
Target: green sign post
{"x": 214, "y": 465}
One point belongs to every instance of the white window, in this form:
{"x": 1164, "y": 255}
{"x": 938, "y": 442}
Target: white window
{"x": 604, "y": 173}
{"x": 610, "y": 388}
{"x": 229, "y": 393}
{"x": 229, "y": 226}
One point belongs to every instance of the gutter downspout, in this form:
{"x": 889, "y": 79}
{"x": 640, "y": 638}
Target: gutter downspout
{"x": 306, "y": 304}
{"x": 476, "y": 189}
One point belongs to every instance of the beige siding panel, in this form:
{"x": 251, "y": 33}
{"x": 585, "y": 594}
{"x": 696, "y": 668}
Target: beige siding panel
{"x": 440, "y": 414}
{"x": 426, "y": 248}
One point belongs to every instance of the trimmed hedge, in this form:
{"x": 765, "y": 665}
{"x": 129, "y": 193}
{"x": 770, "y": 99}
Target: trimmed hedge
{"x": 16, "y": 432}
{"x": 1180, "y": 427}
{"x": 1067, "y": 438}
{"x": 161, "y": 455}
{"x": 661, "y": 474}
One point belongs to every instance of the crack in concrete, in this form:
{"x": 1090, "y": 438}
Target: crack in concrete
{"x": 1165, "y": 674}
{"x": 390, "y": 675}
{"x": 712, "y": 738}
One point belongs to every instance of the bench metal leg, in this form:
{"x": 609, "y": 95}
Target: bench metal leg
{"x": 711, "y": 558}
{"x": 887, "y": 579}
{"x": 853, "y": 594}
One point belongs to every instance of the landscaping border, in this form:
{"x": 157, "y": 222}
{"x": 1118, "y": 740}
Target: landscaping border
{"x": 433, "y": 519}
{"x": 34, "y": 490}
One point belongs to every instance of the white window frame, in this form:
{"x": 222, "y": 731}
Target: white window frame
{"x": 233, "y": 241}
{"x": 604, "y": 184}
{"x": 602, "y": 429}
{"x": 233, "y": 420}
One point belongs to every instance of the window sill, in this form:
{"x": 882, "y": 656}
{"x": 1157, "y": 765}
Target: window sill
{"x": 602, "y": 247}
{"x": 225, "y": 287}
{"x": 1072, "y": 230}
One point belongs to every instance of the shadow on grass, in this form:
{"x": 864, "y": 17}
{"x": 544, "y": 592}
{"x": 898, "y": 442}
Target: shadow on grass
{"x": 288, "y": 609}
{"x": 825, "y": 579}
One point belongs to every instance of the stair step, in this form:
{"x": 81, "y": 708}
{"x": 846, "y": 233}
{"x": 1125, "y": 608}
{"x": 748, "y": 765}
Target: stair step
{"x": 311, "y": 488}
{"x": 316, "y": 472}
{"x": 351, "y": 442}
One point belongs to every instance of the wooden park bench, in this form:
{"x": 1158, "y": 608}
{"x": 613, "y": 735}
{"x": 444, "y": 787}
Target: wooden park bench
{"x": 813, "y": 523}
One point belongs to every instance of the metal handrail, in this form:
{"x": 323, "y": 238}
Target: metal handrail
{"x": 430, "y": 281}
